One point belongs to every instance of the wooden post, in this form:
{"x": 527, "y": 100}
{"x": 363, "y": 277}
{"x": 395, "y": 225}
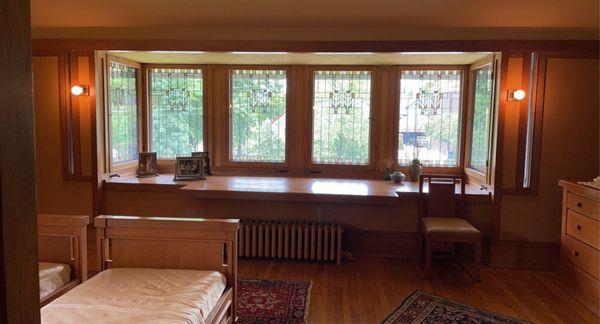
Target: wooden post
{"x": 19, "y": 282}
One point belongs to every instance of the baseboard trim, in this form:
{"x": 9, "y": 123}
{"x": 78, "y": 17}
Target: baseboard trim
{"x": 388, "y": 244}
{"x": 525, "y": 255}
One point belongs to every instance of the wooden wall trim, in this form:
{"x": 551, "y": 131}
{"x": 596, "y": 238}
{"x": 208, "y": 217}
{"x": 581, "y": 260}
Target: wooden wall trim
{"x": 526, "y": 84}
{"x": 502, "y": 106}
{"x": 511, "y": 249}
{"x": 394, "y": 244}
{"x": 525, "y": 255}
{"x": 318, "y": 46}
{"x": 68, "y": 67}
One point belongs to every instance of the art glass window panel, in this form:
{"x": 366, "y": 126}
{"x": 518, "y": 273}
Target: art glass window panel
{"x": 341, "y": 117}
{"x": 176, "y": 112}
{"x": 258, "y": 115}
{"x": 123, "y": 112}
{"x": 429, "y": 117}
{"x": 482, "y": 106}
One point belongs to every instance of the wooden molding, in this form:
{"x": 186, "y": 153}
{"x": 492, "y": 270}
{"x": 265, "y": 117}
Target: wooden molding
{"x": 525, "y": 255}
{"x": 589, "y": 46}
{"x": 69, "y": 105}
{"x": 395, "y": 244}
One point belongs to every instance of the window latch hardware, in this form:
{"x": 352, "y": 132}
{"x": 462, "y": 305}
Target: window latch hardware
{"x": 114, "y": 175}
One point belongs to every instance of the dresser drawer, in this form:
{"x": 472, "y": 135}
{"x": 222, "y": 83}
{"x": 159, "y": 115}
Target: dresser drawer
{"x": 583, "y": 205}
{"x": 581, "y": 255}
{"x": 583, "y": 228}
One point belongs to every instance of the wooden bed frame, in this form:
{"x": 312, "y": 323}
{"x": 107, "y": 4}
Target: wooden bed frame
{"x": 173, "y": 243}
{"x": 63, "y": 239}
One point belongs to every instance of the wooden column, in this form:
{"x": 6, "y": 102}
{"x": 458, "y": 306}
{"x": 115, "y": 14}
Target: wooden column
{"x": 19, "y": 288}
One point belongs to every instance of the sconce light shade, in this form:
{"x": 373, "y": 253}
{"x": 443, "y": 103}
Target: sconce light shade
{"x": 80, "y": 90}
{"x": 516, "y": 95}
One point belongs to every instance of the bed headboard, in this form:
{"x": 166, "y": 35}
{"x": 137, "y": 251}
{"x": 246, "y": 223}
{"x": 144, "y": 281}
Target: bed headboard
{"x": 168, "y": 242}
{"x": 63, "y": 239}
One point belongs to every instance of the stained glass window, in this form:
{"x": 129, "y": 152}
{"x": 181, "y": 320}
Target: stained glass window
{"x": 258, "y": 115}
{"x": 123, "y": 112}
{"x": 341, "y": 117}
{"x": 429, "y": 119}
{"x": 176, "y": 112}
{"x": 482, "y": 105}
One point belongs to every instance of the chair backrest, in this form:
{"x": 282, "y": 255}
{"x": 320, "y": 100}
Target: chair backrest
{"x": 441, "y": 198}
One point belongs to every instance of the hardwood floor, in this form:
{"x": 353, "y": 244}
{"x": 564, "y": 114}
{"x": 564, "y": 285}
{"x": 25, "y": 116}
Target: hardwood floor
{"x": 367, "y": 290}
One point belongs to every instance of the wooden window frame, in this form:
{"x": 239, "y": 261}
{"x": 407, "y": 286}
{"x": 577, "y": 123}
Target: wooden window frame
{"x": 459, "y": 168}
{"x": 317, "y": 168}
{"x": 166, "y": 164}
{"x": 226, "y": 141}
{"x": 127, "y": 166}
{"x": 483, "y": 178}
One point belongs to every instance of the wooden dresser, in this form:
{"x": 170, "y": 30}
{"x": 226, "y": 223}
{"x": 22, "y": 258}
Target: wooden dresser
{"x": 579, "y": 271}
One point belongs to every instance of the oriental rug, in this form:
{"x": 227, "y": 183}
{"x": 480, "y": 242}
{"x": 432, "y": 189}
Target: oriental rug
{"x": 272, "y": 301}
{"x": 422, "y": 307}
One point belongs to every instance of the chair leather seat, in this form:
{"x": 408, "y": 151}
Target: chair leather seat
{"x": 449, "y": 228}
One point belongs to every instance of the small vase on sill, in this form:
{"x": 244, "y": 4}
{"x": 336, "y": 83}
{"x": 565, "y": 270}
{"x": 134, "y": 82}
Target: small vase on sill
{"x": 388, "y": 174}
{"x": 398, "y": 177}
{"x": 415, "y": 169}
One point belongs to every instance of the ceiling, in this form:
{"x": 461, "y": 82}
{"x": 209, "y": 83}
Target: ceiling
{"x": 314, "y": 13}
{"x": 281, "y": 58}
{"x": 302, "y": 20}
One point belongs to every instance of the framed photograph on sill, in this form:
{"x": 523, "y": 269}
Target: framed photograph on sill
{"x": 188, "y": 168}
{"x": 205, "y": 161}
{"x": 147, "y": 166}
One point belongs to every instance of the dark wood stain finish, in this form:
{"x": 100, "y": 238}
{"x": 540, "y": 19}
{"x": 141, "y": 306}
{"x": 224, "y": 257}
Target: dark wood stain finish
{"x": 19, "y": 297}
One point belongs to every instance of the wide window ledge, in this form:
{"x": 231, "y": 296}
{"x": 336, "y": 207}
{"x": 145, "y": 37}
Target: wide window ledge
{"x": 285, "y": 189}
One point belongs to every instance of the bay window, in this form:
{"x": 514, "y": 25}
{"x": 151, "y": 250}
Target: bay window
{"x": 339, "y": 121}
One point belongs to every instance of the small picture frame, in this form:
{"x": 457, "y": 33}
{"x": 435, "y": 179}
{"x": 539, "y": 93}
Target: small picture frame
{"x": 188, "y": 168}
{"x": 205, "y": 161}
{"x": 147, "y": 165}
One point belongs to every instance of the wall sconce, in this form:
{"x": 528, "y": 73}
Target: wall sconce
{"x": 80, "y": 90}
{"x": 516, "y": 95}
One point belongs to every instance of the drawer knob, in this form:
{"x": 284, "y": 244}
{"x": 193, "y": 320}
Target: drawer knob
{"x": 578, "y": 227}
{"x": 579, "y": 205}
{"x": 576, "y": 253}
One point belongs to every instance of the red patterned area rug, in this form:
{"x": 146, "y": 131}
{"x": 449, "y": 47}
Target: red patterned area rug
{"x": 421, "y": 307}
{"x": 272, "y": 301}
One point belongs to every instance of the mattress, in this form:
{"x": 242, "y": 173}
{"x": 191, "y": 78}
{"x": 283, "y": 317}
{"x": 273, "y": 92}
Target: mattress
{"x": 52, "y": 277}
{"x": 139, "y": 295}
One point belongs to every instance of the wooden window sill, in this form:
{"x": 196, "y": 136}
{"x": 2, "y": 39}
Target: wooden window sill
{"x": 284, "y": 189}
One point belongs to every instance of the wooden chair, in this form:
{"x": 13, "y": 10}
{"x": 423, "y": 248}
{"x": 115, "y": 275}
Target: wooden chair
{"x": 441, "y": 219}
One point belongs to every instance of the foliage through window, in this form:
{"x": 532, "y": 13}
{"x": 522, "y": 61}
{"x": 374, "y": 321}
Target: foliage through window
{"x": 341, "y": 117}
{"x": 123, "y": 112}
{"x": 429, "y": 119}
{"x": 258, "y": 115}
{"x": 176, "y": 111}
{"x": 482, "y": 105}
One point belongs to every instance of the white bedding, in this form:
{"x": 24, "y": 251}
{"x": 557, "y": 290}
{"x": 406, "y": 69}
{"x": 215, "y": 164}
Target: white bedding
{"x": 52, "y": 277}
{"x": 139, "y": 295}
